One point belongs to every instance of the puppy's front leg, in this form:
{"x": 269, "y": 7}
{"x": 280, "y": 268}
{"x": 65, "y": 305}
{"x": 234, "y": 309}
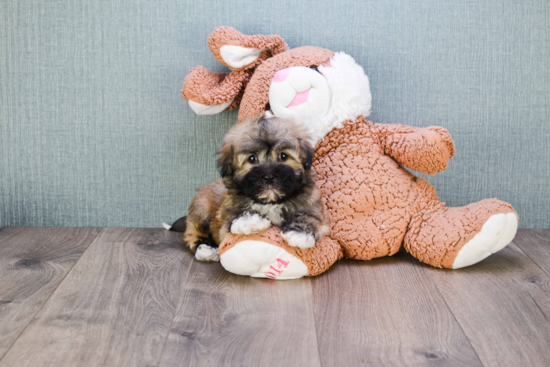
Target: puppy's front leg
{"x": 249, "y": 223}
{"x": 303, "y": 230}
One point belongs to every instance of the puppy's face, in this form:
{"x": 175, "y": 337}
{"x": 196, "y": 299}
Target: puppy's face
{"x": 268, "y": 160}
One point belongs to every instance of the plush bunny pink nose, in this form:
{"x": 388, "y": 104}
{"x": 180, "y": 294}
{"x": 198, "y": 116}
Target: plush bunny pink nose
{"x": 281, "y": 75}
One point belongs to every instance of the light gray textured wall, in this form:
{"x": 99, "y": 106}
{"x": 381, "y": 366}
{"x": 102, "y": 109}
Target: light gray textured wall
{"x": 94, "y": 132}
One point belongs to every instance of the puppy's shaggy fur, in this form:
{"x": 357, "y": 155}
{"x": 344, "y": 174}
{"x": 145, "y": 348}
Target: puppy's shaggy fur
{"x": 267, "y": 179}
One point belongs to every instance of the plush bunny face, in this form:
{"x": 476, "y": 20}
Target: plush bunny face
{"x": 320, "y": 98}
{"x": 315, "y": 87}
{"x": 300, "y": 94}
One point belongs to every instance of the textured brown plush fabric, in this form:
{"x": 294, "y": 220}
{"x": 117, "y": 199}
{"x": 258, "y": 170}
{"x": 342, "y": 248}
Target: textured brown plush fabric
{"x": 256, "y": 95}
{"x": 271, "y": 45}
{"x": 436, "y": 233}
{"x": 317, "y": 259}
{"x": 425, "y": 150}
{"x": 375, "y": 204}
{"x": 212, "y": 89}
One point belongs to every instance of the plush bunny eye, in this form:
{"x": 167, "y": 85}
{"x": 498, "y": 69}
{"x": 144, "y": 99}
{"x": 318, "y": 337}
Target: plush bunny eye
{"x": 252, "y": 159}
{"x": 283, "y": 156}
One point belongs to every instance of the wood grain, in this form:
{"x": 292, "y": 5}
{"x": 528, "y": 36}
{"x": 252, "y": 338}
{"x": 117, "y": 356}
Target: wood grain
{"x": 33, "y": 262}
{"x": 114, "y": 308}
{"x": 228, "y": 320}
{"x": 135, "y": 297}
{"x": 385, "y": 312}
{"x": 503, "y": 306}
{"x": 535, "y": 243}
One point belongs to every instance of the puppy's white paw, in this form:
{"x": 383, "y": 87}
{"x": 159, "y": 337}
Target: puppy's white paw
{"x": 206, "y": 253}
{"x": 250, "y": 223}
{"x": 299, "y": 239}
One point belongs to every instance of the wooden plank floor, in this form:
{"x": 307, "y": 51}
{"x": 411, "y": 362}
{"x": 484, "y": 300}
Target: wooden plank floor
{"x": 135, "y": 297}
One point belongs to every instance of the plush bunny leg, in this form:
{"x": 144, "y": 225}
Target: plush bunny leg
{"x": 497, "y": 232}
{"x": 458, "y": 237}
{"x": 266, "y": 255}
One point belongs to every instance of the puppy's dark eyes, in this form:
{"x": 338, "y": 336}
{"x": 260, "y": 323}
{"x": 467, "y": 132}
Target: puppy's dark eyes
{"x": 283, "y": 156}
{"x": 252, "y": 159}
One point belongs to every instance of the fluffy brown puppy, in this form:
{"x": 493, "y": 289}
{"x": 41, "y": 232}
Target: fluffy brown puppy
{"x": 267, "y": 179}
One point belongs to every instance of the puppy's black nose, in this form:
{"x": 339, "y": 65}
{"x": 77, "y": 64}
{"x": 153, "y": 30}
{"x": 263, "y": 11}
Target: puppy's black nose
{"x": 268, "y": 176}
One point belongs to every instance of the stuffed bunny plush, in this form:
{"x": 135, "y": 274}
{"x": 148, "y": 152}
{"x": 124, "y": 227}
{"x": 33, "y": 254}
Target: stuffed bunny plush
{"x": 375, "y": 204}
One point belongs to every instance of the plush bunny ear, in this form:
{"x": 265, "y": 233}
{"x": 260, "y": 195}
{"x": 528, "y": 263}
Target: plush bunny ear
{"x": 209, "y": 93}
{"x": 241, "y": 52}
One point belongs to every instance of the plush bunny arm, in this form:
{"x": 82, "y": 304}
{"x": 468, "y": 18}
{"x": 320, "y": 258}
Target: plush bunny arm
{"x": 426, "y": 150}
{"x": 208, "y": 88}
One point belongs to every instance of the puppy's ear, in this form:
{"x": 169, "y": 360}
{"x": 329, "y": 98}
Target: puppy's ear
{"x": 225, "y": 160}
{"x": 306, "y": 153}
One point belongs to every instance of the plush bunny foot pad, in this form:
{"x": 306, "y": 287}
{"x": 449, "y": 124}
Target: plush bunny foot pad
{"x": 261, "y": 259}
{"x": 497, "y": 232}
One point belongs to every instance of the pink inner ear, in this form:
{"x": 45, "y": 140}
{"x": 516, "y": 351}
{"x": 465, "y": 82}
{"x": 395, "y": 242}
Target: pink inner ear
{"x": 300, "y": 98}
{"x": 281, "y": 75}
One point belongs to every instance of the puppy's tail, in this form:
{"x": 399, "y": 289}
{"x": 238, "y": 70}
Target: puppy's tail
{"x": 178, "y": 226}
